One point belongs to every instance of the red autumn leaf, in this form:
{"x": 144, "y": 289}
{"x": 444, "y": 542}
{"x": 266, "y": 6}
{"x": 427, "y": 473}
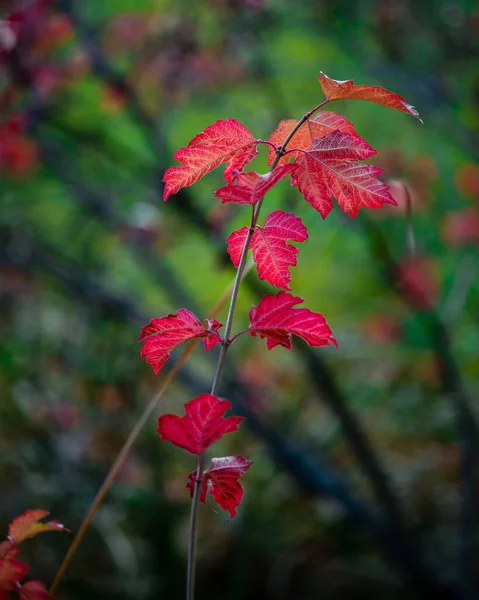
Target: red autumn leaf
{"x": 11, "y": 571}
{"x": 221, "y": 479}
{"x": 224, "y": 141}
{"x": 251, "y": 187}
{"x": 163, "y": 335}
{"x": 202, "y": 425}
{"x": 34, "y": 590}
{"x": 346, "y": 90}
{"x": 271, "y": 252}
{"x": 327, "y": 171}
{"x": 276, "y": 320}
{"x": 317, "y": 127}
{"x": 28, "y": 525}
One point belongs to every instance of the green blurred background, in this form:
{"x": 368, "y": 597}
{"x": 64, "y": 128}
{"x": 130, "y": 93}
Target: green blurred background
{"x": 364, "y": 483}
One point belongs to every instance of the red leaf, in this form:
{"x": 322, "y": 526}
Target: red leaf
{"x": 276, "y": 320}
{"x": 251, "y": 187}
{"x": 202, "y": 425}
{"x": 28, "y": 525}
{"x": 346, "y": 90}
{"x": 221, "y": 479}
{"x": 271, "y": 252}
{"x": 224, "y": 141}
{"x": 34, "y": 590}
{"x": 11, "y": 571}
{"x": 317, "y": 127}
{"x": 163, "y": 335}
{"x": 326, "y": 171}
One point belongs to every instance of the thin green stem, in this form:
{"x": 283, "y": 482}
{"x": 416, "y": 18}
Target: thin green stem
{"x": 190, "y": 583}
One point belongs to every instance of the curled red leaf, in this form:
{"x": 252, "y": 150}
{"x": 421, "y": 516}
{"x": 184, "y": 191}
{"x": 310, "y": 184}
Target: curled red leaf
{"x": 164, "y": 334}
{"x": 28, "y": 525}
{"x": 276, "y": 320}
{"x": 347, "y": 90}
{"x": 202, "y": 425}
{"x": 11, "y": 571}
{"x": 251, "y": 187}
{"x": 225, "y": 141}
{"x": 221, "y": 480}
{"x": 272, "y": 253}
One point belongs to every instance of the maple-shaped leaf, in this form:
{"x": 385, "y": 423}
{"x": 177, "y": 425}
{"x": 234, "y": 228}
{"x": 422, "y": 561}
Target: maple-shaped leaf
{"x": 221, "y": 479}
{"x": 28, "y": 525}
{"x": 271, "y": 252}
{"x": 164, "y": 334}
{"x": 327, "y": 171}
{"x": 202, "y": 425}
{"x": 346, "y": 90}
{"x": 276, "y": 320}
{"x": 11, "y": 571}
{"x": 251, "y": 187}
{"x": 317, "y": 127}
{"x": 225, "y": 141}
{"x": 34, "y": 590}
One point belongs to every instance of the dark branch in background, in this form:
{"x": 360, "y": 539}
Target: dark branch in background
{"x": 453, "y": 386}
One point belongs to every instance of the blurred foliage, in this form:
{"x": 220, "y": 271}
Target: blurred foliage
{"x": 95, "y": 98}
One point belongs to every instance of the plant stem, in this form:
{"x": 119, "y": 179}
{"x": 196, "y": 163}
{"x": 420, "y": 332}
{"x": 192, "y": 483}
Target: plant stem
{"x": 190, "y": 577}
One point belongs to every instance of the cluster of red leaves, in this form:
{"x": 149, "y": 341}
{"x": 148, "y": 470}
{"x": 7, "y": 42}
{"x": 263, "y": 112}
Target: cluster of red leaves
{"x": 12, "y": 571}
{"x": 203, "y": 425}
{"x": 326, "y": 150}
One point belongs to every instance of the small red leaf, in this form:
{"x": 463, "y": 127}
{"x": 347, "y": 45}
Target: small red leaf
{"x": 11, "y": 571}
{"x": 34, "y": 590}
{"x": 28, "y": 525}
{"x": 327, "y": 171}
{"x": 271, "y": 252}
{"x": 202, "y": 425}
{"x": 251, "y": 187}
{"x": 164, "y": 334}
{"x": 221, "y": 479}
{"x": 317, "y": 127}
{"x": 224, "y": 141}
{"x": 276, "y": 320}
{"x": 346, "y": 90}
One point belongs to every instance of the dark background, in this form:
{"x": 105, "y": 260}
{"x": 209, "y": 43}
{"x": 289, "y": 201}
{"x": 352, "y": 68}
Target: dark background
{"x": 365, "y": 461}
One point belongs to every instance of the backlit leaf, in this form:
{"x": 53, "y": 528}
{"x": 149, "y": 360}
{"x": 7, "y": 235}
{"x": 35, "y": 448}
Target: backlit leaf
{"x": 327, "y": 171}
{"x": 28, "y": 525}
{"x": 202, "y": 425}
{"x": 346, "y": 90}
{"x": 317, "y": 127}
{"x": 272, "y": 253}
{"x": 34, "y": 590}
{"x": 221, "y": 480}
{"x": 164, "y": 334}
{"x": 225, "y": 141}
{"x": 276, "y": 320}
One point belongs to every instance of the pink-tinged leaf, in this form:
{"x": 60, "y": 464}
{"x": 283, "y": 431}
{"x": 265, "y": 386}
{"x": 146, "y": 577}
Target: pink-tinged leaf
{"x": 276, "y": 320}
{"x": 34, "y": 590}
{"x": 8, "y": 550}
{"x": 225, "y": 141}
{"x": 317, "y": 127}
{"x": 28, "y": 525}
{"x": 221, "y": 480}
{"x": 11, "y": 571}
{"x": 346, "y": 90}
{"x": 202, "y": 425}
{"x": 271, "y": 252}
{"x": 251, "y": 187}
{"x": 327, "y": 171}
{"x": 162, "y": 335}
